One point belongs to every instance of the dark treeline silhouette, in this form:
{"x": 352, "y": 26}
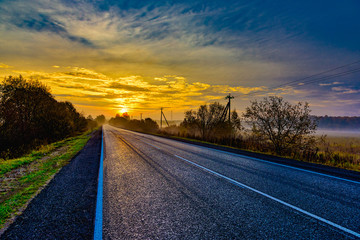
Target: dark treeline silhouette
{"x": 338, "y": 123}
{"x": 30, "y": 116}
{"x": 148, "y": 125}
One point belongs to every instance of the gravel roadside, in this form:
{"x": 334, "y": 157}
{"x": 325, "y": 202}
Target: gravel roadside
{"x": 65, "y": 209}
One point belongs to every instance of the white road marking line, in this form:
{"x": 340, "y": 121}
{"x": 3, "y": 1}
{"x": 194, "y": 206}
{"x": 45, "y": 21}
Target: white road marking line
{"x": 273, "y": 198}
{"x": 99, "y": 198}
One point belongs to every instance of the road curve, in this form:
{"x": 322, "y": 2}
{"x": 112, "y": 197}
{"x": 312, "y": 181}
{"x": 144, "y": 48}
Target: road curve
{"x": 156, "y": 188}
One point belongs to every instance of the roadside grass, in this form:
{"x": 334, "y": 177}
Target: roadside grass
{"x": 342, "y": 152}
{"x": 23, "y": 177}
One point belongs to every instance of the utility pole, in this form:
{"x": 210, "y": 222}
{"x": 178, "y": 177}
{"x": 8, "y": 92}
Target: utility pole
{"x": 229, "y": 97}
{"x": 161, "y": 118}
{"x": 162, "y": 114}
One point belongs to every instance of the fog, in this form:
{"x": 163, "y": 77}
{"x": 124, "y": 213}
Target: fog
{"x": 339, "y": 133}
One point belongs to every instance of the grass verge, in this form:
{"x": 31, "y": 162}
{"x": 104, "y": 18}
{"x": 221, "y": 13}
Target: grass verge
{"x": 23, "y": 177}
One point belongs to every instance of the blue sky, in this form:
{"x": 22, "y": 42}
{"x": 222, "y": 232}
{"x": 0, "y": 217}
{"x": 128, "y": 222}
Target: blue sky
{"x": 140, "y": 55}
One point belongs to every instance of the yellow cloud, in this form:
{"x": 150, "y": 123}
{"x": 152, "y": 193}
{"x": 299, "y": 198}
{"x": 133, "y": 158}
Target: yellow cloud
{"x": 161, "y": 79}
{"x": 3, "y": 65}
{"x": 85, "y": 88}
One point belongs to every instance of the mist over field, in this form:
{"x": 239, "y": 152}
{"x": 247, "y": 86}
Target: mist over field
{"x": 338, "y": 133}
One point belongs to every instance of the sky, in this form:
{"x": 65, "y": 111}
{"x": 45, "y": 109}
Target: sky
{"x": 112, "y": 56}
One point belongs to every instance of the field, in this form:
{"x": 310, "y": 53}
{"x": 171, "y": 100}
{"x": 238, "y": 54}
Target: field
{"x": 340, "y": 151}
{"x": 24, "y": 177}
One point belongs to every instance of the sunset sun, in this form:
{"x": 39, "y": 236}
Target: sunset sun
{"x": 123, "y": 110}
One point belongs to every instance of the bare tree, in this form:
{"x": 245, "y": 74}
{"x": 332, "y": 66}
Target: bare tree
{"x": 281, "y": 123}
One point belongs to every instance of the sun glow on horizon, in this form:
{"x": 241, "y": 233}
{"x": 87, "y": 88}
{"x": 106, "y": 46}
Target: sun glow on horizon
{"x": 123, "y": 110}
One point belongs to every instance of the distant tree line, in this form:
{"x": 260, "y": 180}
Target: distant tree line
{"x": 148, "y": 125}
{"x": 30, "y": 116}
{"x": 338, "y": 123}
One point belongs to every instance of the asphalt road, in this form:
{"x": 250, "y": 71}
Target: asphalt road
{"x": 156, "y": 188}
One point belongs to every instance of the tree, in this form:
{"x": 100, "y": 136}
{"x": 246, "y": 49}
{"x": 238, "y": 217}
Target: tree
{"x": 91, "y": 123}
{"x": 281, "y": 123}
{"x": 150, "y": 125}
{"x": 119, "y": 121}
{"x": 147, "y": 125}
{"x": 207, "y": 121}
{"x": 30, "y": 116}
{"x": 100, "y": 119}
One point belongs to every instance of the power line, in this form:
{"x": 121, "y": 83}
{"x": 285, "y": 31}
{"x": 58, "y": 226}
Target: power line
{"x": 332, "y": 76}
{"x": 317, "y": 74}
{"x": 309, "y": 81}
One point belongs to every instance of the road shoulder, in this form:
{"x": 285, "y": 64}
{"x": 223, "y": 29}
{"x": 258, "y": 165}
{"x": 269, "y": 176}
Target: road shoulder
{"x": 65, "y": 208}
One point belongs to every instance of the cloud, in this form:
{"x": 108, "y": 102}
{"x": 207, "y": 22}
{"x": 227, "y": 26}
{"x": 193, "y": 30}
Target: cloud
{"x": 345, "y": 90}
{"x": 164, "y": 39}
{"x": 180, "y": 54}
{"x": 3, "y": 65}
{"x": 116, "y": 85}
{"x": 329, "y": 84}
{"x": 86, "y": 73}
{"x": 44, "y": 23}
{"x": 87, "y": 87}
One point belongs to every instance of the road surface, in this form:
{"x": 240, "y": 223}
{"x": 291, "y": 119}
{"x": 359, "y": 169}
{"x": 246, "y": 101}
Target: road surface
{"x": 157, "y": 188}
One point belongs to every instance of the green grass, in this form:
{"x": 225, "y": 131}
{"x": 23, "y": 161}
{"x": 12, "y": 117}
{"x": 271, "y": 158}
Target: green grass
{"x": 46, "y": 165}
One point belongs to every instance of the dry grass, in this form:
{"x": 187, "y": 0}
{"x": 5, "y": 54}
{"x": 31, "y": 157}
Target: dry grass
{"x": 343, "y": 152}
